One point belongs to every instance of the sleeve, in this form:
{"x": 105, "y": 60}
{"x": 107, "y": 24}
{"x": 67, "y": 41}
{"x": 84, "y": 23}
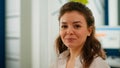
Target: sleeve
{"x": 99, "y": 63}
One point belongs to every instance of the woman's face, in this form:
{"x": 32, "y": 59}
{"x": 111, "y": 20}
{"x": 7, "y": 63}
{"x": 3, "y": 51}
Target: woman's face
{"x": 73, "y": 29}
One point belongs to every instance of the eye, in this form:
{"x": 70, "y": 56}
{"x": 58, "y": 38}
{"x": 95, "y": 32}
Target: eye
{"x": 64, "y": 26}
{"x": 77, "y": 26}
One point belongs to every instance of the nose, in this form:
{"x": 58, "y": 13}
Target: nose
{"x": 70, "y": 30}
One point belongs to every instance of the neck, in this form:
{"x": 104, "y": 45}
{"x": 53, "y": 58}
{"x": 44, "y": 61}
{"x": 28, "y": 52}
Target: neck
{"x": 74, "y": 53}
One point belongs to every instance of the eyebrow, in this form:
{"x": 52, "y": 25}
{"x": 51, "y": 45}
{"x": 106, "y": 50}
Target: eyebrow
{"x": 63, "y": 22}
{"x": 74, "y": 22}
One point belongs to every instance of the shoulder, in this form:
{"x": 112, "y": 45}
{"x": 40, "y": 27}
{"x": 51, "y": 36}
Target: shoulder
{"x": 98, "y": 62}
{"x": 53, "y": 65}
{"x": 60, "y": 61}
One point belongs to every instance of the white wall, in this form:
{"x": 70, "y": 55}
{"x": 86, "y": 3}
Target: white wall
{"x": 113, "y": 12}
{"x": 43, "y": 34}
{"x": 34, "y": 34}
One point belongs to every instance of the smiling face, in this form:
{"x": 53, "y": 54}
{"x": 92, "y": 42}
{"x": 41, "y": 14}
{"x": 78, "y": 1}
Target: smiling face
{"x": 73, "y": 29}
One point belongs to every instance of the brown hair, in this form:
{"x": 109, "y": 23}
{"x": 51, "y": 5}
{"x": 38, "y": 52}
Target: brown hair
{"x": 92, "y": 46}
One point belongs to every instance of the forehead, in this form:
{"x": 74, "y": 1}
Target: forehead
{"x": 73, "y": 16}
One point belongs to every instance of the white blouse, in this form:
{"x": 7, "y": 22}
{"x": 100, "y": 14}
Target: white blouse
{"x": 62, "y": 61}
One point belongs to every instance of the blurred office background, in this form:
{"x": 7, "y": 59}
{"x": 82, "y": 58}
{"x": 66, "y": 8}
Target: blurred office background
{"x": 29, "y": 28}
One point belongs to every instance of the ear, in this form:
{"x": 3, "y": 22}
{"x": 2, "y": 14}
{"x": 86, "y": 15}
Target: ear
{"x": 90, "y": 29}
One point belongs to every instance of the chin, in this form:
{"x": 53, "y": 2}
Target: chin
{"x": 69, "y": 46}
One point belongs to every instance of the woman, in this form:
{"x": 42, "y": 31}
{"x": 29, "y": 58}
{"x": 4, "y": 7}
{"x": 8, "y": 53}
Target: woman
{"x": 76, "y": 44}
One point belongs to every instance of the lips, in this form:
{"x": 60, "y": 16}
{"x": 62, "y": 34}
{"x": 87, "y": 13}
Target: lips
{"x": 70, "y": 39}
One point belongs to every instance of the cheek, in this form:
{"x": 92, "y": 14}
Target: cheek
{"x": 82, "y": 37}
{"x": 83, "y": 32}
{"x": 61, "y": 33}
